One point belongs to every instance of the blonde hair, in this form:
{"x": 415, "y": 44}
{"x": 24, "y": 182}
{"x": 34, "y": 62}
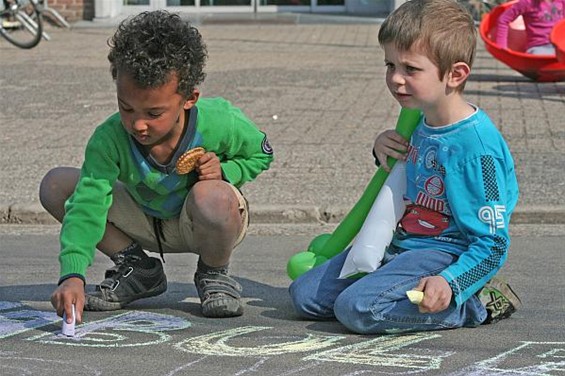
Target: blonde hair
{"x": 442, "y": 29}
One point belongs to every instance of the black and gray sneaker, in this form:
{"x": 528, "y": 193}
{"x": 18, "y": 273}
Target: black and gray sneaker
{"x": 499, "y": 299}
{"x": 220, "y": 295}
{"x": 130, "y": 279}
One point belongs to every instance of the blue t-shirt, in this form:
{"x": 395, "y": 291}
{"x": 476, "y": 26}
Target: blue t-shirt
{"x": 461, "y": 191}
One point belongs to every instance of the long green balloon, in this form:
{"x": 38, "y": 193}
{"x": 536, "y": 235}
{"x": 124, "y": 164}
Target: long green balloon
{"x": 326, "y": 246}
{"x": 352, "y": 223}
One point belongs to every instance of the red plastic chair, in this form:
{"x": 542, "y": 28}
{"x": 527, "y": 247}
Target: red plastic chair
{"x": 557, "y": 37}
{"x": 541, "y": 68}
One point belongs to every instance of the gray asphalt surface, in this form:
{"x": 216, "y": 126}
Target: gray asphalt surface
{"x": 166, "y": 335}
{"x": 317, "y": 89}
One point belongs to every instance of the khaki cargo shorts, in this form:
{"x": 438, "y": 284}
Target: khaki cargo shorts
{"x": 177, "y": 237}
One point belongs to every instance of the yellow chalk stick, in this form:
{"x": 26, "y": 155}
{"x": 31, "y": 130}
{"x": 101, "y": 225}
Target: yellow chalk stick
{"x": 414, "y": 296}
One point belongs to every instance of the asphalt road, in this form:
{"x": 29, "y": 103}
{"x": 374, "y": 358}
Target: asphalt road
{"x": 166, "y": 335}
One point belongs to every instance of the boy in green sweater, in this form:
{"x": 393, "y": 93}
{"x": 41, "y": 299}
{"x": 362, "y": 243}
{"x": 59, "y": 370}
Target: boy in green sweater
{"x": 129, "y": 195}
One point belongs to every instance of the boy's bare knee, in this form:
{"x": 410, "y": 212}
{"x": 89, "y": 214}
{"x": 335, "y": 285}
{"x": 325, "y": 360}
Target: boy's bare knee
{"x": 212, "y": 198}
{"x": 47, "y": 186}
{"x": 56, "y": 186}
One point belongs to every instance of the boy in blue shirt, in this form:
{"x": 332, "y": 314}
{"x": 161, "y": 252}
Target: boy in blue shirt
{"x": 461, "y": 191}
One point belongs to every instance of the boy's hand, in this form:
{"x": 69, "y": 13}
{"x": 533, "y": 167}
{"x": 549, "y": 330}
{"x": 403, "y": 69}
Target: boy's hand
{"x": 208, "y": 167}
{"x": 437, "y": 294}
{"x": 390, "y": 143}
{"x": 70, "y": 292}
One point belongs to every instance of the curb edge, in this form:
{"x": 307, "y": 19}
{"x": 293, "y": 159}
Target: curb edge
{"x": 279, "y": 214}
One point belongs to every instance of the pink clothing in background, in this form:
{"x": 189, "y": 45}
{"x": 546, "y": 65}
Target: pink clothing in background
{"x": 539, "y": 18}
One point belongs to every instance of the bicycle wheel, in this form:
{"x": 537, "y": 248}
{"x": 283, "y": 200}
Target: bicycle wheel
{"x": 22, "y": 24}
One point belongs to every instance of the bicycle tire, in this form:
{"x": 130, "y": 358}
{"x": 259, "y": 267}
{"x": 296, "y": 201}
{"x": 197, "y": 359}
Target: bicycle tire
{"x": 27, "y": 24}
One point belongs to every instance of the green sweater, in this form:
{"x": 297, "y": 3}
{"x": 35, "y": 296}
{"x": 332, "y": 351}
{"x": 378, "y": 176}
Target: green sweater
{"x": 111, "y": 154}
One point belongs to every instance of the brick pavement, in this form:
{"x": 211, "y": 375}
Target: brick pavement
{"x": 318, "y": 91}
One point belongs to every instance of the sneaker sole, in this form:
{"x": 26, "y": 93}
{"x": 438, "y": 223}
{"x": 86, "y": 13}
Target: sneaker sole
{"x": 94, "y": 303}
{"x": 222, "y": 307}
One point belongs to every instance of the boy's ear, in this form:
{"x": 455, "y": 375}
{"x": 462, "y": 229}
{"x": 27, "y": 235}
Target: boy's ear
{"x": 192, "y": 99}
{"x": 458, "y": 75}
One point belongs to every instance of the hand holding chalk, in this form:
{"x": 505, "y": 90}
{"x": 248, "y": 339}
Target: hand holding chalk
{"x": 68, "y": 329}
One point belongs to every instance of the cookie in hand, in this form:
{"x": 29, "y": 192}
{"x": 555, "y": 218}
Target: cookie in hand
{"x": 187, "y": 161}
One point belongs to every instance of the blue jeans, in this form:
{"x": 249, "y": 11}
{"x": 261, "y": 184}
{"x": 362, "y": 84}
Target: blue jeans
{"x": 377, "y": 302}
{"x": 546, "y": 49}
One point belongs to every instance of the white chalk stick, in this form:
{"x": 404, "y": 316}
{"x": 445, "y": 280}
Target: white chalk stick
{"x": 69, "y": 329}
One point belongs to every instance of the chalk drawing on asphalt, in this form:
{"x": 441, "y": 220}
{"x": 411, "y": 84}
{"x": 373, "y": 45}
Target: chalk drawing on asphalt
{"x": 300, "y": 369}
{"x": 185, "y": 366}
{"x": 393, "y": 354}
{"x": 16, "y": 322}
{"x": 254, "y": 368}
{"x": 129, "y": 329}
{"x": 13, "y": 364}
{"x": 217, "y": 343}
{"x": 383, "y": 352}
{"x": 527, "y": 359}
{"x": 9, "y": 305}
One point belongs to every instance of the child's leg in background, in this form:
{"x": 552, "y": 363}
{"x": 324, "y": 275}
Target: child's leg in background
{"x": 314, "y": 293}
{"x": 546, "y": 49}
{"x": 377, "y": 303}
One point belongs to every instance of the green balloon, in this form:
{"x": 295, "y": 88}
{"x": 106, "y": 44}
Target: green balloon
{"x": 318, "y": 243}
{"x": 326, "y": 246}
{"x": 301, "y": 262}
{"x": 352, "y": 223}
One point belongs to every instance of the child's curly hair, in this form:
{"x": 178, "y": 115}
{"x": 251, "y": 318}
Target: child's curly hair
{"x": 152, "y": 46}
